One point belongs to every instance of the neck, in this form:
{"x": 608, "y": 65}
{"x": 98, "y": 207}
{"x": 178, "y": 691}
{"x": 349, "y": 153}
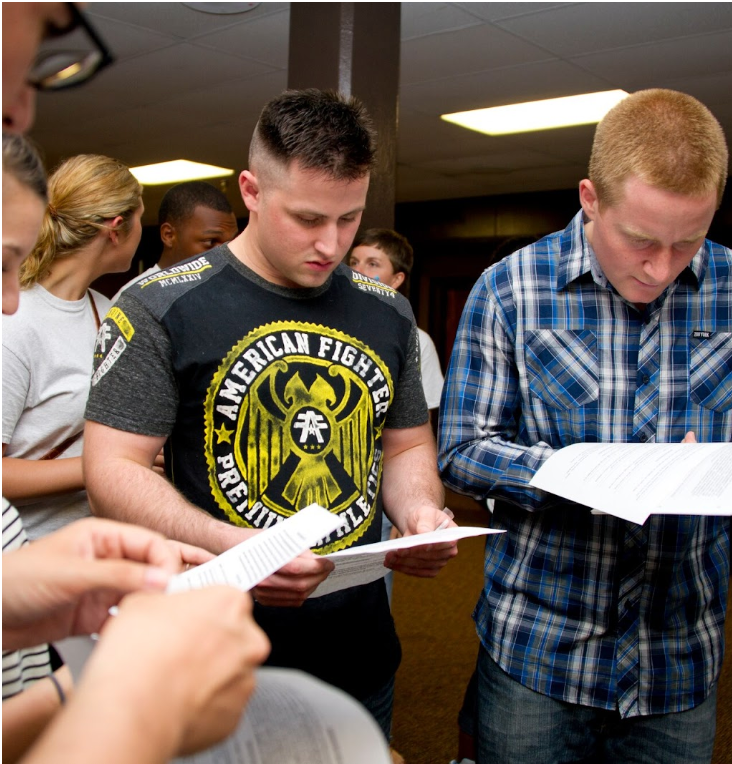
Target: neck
{"x": 588, "y": 231}
{"x": 168, "y": 259}
{"x": 69, "y": 278}
{"x": 241, "y": 249}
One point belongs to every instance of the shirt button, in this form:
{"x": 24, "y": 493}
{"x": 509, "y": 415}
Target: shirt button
{"x": 642, "y": 437}
{"x": 646, "y": 379}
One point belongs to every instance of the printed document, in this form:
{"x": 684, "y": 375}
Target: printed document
{"x": 247, "y": 564}
{"x": 294, "y": 718}
{"x": 635, "y": 480}
{"x": 363, "y": 564}
{"x": 250, "y": 562}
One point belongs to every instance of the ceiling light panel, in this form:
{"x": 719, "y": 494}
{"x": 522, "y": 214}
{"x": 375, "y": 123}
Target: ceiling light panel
{"x": 549, "y": 114}
{"x": 177, "y": 171}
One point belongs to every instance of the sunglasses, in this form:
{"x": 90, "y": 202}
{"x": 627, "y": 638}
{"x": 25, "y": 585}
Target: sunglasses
{"x": 60, "y": 69}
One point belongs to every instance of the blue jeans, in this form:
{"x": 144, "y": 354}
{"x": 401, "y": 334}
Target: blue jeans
{"x": 517, "y": 725}
{"x": 380, "y": 705}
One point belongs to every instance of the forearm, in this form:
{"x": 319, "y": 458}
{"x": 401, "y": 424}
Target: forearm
{"x": 35, "y": 478}
{"x": 122, "y": 489}
{"x": 495, "y": 467}
{"x": 480, "y": 416}
{"x": 26, "y": 716}
{"x": 410, "y": 481}
{"x": 115, "y": 723}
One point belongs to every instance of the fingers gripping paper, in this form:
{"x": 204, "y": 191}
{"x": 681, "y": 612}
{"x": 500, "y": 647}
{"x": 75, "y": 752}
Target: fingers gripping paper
{"x": 249, "y": 563}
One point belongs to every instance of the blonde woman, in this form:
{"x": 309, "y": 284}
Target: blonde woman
{"x": 91, "y": 227}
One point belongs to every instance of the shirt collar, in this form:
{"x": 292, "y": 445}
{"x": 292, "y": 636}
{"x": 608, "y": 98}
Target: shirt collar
{"x": 576, "y": 257}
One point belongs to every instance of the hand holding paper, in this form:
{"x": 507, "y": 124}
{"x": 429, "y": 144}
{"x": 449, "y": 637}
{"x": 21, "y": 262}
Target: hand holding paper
{"x": 421, "y": 560}
{"x": 363, "y": 564}
{"x": 256, "y": 559}
{"x": 635, "y": 480}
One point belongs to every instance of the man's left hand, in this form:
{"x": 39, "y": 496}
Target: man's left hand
{"x": 424, "y": 561}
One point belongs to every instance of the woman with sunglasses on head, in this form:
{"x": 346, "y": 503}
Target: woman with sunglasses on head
{"x": 91, "y": 227}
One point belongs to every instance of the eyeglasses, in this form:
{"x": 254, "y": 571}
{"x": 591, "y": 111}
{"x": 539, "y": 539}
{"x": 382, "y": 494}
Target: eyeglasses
{"x": 60, "y": 69}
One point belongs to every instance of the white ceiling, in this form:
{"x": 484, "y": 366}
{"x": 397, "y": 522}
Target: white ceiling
{"x": 189, "y": 85}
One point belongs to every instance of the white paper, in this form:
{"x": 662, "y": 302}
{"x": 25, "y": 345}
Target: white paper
{"x": 247, "y": 564}
{"x": 363, "y": 564}
{"x": 635, "y": 480}
{"x": 294, "y": 718}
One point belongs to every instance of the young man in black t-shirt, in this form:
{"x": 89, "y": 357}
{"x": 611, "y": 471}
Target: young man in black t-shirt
{"x": 279, "y": 378}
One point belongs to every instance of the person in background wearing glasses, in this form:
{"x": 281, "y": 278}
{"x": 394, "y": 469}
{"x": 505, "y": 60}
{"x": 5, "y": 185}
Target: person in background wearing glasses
{"x": 178, "y": 668}
{"x": 28, "y": 67}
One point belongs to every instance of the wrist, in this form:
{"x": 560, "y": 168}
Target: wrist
{"x": 59, "y": 690}
{"x": 141, "y": 711}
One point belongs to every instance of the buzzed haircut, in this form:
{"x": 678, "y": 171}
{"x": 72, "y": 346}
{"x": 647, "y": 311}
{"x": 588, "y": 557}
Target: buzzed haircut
{"x": 180, "y": 201}
{"x": 320, "y": 129}
{"x": 666, "y": 139}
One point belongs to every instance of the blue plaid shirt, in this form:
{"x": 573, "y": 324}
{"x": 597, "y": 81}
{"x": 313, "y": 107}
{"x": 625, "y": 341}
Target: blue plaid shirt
{"x": 591, "y": 609}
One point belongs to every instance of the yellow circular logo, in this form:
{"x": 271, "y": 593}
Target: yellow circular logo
{"x": 294, "y": 416}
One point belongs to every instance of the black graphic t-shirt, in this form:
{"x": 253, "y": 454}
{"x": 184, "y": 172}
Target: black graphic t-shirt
{"x": 273, "y": 399}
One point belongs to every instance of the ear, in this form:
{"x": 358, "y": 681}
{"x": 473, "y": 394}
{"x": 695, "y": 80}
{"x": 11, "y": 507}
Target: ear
{"x": 396, "y": 280}
{"x": 113, "y": 229}
{"x": 167, "y": 235}
{"x": 588, "y": 199}
{"x": 249, "y": 189}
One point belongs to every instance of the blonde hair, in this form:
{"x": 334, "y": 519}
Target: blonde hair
{"x": 667, "y": 139}
{"x": 83, "y": 193}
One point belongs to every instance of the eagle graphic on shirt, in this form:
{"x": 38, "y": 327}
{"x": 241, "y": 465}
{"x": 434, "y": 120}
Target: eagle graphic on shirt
{"x": 293, "y": 416}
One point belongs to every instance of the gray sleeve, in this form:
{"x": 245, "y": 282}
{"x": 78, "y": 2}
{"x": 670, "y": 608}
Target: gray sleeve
{"x": 133, "y": 386}
{"x": 409, "y": 408}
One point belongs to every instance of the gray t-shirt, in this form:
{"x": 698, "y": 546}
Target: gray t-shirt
{"x": 48, "y": 354}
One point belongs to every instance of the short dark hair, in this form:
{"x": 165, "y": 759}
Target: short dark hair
{"x": 21, "y": 160}
{"x": 392, "y": 244}
{"x": 180, "y": 201}
{"x": 321, "y": 129}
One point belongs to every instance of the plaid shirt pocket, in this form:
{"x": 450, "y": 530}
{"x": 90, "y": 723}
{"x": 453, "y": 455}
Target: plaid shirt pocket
{"x": 562, "y": 366}
{"x": 710, "y": 371}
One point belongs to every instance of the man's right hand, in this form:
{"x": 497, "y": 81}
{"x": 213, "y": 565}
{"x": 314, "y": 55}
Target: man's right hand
{"x": 292, "y": 584}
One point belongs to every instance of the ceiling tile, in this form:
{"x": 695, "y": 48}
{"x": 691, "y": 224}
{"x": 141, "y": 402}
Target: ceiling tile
{"x": 421, "y": 19}
{"x": 175, "y": 18}
{"x": 590, "y": 27}
{"x": 656, "y": 64}
{"x": 227, "y": 101}
{"x": 496, "y": 11}
{"x": 474, "y": 49}
{"x": 548, "y": 79}
{"x": 261, "y": 39}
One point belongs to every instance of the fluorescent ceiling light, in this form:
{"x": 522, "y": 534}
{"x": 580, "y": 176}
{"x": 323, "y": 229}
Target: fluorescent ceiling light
{"x": 539, "y": 115}
{"x": 176, "y": 172}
